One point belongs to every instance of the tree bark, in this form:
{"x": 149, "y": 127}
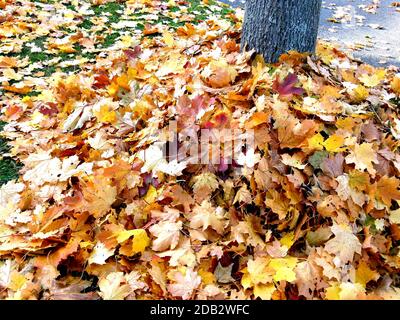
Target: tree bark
{"x": 273, "y": 27}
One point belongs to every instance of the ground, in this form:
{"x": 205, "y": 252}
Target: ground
{"x": 374, "y": 39}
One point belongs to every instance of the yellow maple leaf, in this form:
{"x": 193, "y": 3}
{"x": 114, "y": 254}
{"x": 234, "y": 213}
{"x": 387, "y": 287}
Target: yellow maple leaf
{"x": 207, "y": 276}
{"x": 363, "y": 157}
{"x": 284, "y": 268}
{"x": 168, "y": 39}
{"x": 259, "y": 271}
{"x": 395, "y": 85}
{"x": 334, "y": 143}
{"x": 316, "y": 142}
{"x": 288, "y": 240}
{"x": 374, "y": 79}
{"x": 351, "y": 291}
{"x": 99, "y": 196}
{"x": 359, "y": 94}
{"x": 264, "y": 291}
{"x": 106, "y": 115}
{"x": 151, "y": 195}
{"x": 333, "y": 292}
{"x": 246, "y": 279}
{"x": 364, "y": 274}
{"x": 140, "y": 240}
{"x": 17, "y": 281}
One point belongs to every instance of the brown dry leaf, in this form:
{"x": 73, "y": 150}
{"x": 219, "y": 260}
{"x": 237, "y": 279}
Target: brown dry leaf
{"x": 99, "y": 195}
{"x": 205, "y": 216}
{"x": 114, "y": 287}
{"x": 388, "y": 190}
{"x": 185, "y": 283}
{"x": 167, "y": 235}
{"x": 363, "y": 156}
{"x": 344, "y": 245}
{"x": 278, "y": 203}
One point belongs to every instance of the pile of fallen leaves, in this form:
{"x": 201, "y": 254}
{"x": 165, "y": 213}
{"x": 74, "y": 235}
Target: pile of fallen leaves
{"x": 314, "y": 214}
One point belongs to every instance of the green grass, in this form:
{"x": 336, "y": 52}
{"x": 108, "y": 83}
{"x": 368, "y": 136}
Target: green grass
{"x": 9, "y": 168}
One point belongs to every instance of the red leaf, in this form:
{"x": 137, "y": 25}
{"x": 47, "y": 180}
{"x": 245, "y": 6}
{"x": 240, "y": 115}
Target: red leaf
{"x": 287, "y": 88}
{"x": 48, "y": 109}
{"x": 133, "y": 54}
{"x": 101, "y": 81}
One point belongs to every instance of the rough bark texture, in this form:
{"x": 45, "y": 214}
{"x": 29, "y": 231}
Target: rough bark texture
{"x": 273, "y": 27}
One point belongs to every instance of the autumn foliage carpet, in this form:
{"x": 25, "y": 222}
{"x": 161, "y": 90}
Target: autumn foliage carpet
{"x": 314, "y": 214}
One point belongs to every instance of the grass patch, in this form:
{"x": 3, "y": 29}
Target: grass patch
{"x": 9, "y": 168}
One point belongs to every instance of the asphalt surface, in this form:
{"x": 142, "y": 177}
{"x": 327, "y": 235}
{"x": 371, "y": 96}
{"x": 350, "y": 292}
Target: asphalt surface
{"x": 368, "y": 29}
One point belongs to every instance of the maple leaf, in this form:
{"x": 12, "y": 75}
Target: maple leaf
{"x": 345, "y": 291}
{"x": 363, "y": 156}
{"x": 344, "y": 245}
{"x": 334, "y": 143}
{"x": 99, "y": 196}
{"x": 220, "y": 74}
{"x": 306, "y": 277}
{"x": 167, "y": 234}
{"x": 180, "y": 197}
{"x": 374, "y": 79}
{"x": 284, "y": 268}
{"x": 364, "y": 274}
{"x": 244, "y": 232}
{"x": 333, "y": 166}
{"x": 181, "y": 256}
{"x": 278, "y": 203}
{"x": 295, "y": 134}
{"x": 370, "y": 131}
{"x": 101, "y": 81}
{"x": 154, "y": 160}
{"x": 205, "y": 216}
{"x": 14, "y": 112}
{"x": 63, "y": 253}
{"x": 48, "y": 109}
{"x": 114, "y": 287}
{"x": 295, "y": 161}
{"x": 388, "y": 190}
{"x": 185, "y": 284}
{"x": 345, "y": 191}
{"x": 204, "y": 184}
{"x": 264, "y": 291}
{"x": 395, "y": 85}
{"x": 257, "y": 272}
{"x": 287, "y": 88}
{"x": 243, "y": 196}
{"x": 77, "y": 119}
{"x": 140, "y": 241}
{"x": 43, "y": 168}
{"x": 133, "y": 53}
{"x": 100, "y": 254}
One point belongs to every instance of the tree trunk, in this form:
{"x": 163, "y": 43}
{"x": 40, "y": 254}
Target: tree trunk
{"x": 273, "y": 27}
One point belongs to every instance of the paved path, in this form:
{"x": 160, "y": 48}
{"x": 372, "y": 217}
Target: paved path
{"x": 370, "y": 29}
